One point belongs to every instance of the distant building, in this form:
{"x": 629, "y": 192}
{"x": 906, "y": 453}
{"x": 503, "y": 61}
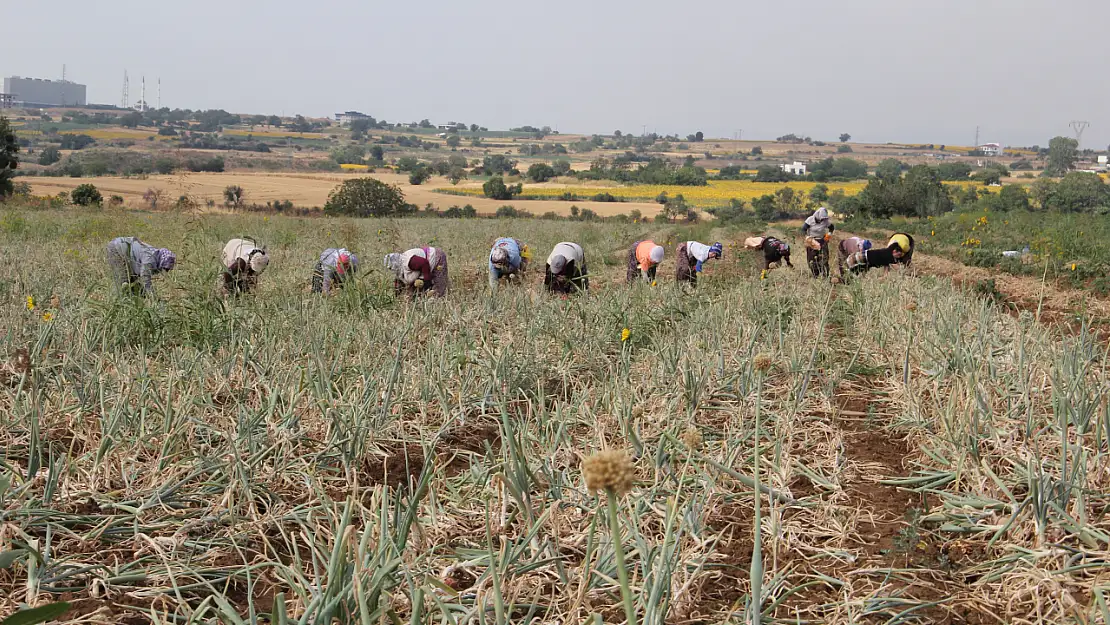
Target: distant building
{"x": 345, "y": 119}
{"x": 6, "y": 100}
{"x": 448, "y": 126}
{"x": 797, "y": 168}
{"x": 990, "y": 149}
{"x": 1103, "y": 160}
{"x": 39, "y": 92}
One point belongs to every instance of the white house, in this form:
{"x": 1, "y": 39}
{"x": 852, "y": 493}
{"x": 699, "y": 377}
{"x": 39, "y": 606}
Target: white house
{"x": 797, "y": 168}
{"x": 345, "y": 119}
{"x": 991, "y": 149}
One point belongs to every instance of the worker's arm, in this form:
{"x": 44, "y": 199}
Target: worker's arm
{"x": 421, "y": 264}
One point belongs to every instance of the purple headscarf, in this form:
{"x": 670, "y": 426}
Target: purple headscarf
{"x": 166, "y": 259}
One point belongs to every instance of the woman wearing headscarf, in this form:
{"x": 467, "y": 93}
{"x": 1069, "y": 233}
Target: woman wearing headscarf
{"x": 418, "y": 270}
{"x": 901, "y": 245}
{"x": 566, "y": 269}
{"x": 894, "y": 253}
{"x": 774, "y": 250}
{"x": 850, "y": 246}
{"x": 643, "y": 260}
{"x": 133, "y": 263}
{"x": 508, "y": 259}
{"x": 818, "y": 229}
{"x": 692, "y": 257}
{"x": 244, "y": 261}
{"x": 335, "y": 267}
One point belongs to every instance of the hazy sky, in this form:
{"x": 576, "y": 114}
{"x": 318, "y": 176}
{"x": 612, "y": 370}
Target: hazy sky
{"x": 882, "y": 70}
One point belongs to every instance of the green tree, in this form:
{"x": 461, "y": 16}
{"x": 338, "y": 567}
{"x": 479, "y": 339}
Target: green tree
{"x": 541, "y": 172}
{"x": 49, "y": 156}
{"x": 1041, "y": 190}
{"x": 889, "y": 169}
{"x": 1062, "y": 154}
{"x": 764, "y": 206}
{"x": 757, "y": 151}
{"x": 819, "y": 194}
{"x": 1013, "y": 197}
{"x": 845, "y": 137}
{"x": 86, "y": 195}
{"x": 453, "y": 141}
{"x": 496, "y": 188}
{"x": 560, "y": 166}
{"x": 366, "y": 197}
{"x": 377, "y": 153}
{"x": 419, "y": 176}
{"x": 274, "y": 121}
{"x": 953, "y": 171}
{"x": 843, "y": 148}
{"x": 9, "y": 159}
{"x": 1079, "y": 191}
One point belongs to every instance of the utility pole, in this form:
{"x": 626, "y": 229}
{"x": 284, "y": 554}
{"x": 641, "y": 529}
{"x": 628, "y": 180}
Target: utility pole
{"x": 643, "y": 133}
{"x": 1078, "y": 127}
{"x": 126, "y": 84}
{"x": 976, "y": 146}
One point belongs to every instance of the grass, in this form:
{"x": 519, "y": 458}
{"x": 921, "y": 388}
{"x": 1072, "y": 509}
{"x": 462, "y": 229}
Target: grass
{"x": 288, "y": 458}
{"x": 1073, "y": 248}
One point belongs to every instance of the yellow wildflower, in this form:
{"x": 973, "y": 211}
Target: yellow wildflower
{"x": 30, "y": 302}
{"x": 48, "y": 316}
{"x": 1073, "y": 266}
{"x": 625, "y": 333}
{"x": 763, "y": 275}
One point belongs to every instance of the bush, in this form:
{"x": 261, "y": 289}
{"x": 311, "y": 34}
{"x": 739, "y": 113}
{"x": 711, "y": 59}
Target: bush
{"x": 86, "y": 195}
{"x": 76, "y": 142}
{"x": 509, "y": 211}
{"x": 843, "y": 148}
{"x": 233, "y": 196}
{"x": 541, "y": 172}
{"x": 419, "y": 176}
{"x": 366, "y": 197}
{"x": 49, "y": 156}
{"x": 496, "y": 189}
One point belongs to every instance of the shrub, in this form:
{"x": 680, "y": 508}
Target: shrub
{"x": 541, "y": 172}
{"x": 86, "y": 195}
{"x": 496, "y": 189}
{"x": 233, "y": 196}
{"x": 49, "y": 156}
{"x": 419, "y": 176}
{"x": 366, "y": 197}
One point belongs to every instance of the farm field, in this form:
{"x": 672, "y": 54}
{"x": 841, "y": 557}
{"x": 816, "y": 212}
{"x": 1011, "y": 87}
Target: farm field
{"x": 716, "y": 193}
{"x": 922, "y": 454}
{"x": 306, "y": 190}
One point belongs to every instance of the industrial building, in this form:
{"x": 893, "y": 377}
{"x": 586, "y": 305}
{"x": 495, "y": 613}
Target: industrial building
{"x": 39, "y": 92}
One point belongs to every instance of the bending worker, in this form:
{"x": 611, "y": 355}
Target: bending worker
{"x": 508, "y": 259}
{"x": 873, "y": 258}
{"x": 818, "y": 230}
{"x": 244, "y": 261}
{"x": 774, "y": 250}
{"x": 566, "y": 269}
{"x": 903, "y": 244}
{"x": 850, "y": 246}
{"x": 133, "y": 263}
{"x": 419, "y": 270}
{"x": 643, "y": 259}
{"x": 692, "y": 257}
{"x": 333, "y": 270}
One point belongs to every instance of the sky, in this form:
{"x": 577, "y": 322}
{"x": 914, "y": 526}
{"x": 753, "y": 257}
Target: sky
{"x": 880, "y": 70}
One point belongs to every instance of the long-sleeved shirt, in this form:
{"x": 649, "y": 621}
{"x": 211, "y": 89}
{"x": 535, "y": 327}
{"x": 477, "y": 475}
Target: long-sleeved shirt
{"x": 851, "y": 245}
{"x": 141, "y": 259}
{"x": 329, "y": 263}
{"x": 237, "y": 254}
{"x": 417, "y": 264}
{"x": 570, "y": 251}
{"x": 643, "y": 255}
{"x": 698, "y": 252}
{"x": 513, "y": 248}
{"x": 818, "y": 224}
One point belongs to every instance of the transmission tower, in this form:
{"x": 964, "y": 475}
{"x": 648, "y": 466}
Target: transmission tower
{"x": 1078, "y": 127}
{"x": 126, "y": 85}
{"x": 976, "y": 146}
{"x": 159, "y": 93}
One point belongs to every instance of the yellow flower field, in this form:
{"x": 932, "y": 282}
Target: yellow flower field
{"x": 716, "y": 193}
{"x": 262, "y": 134}
{"x": 354, "y": 167}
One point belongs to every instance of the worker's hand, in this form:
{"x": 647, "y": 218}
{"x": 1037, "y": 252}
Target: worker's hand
{"x": 419, "y": 284}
